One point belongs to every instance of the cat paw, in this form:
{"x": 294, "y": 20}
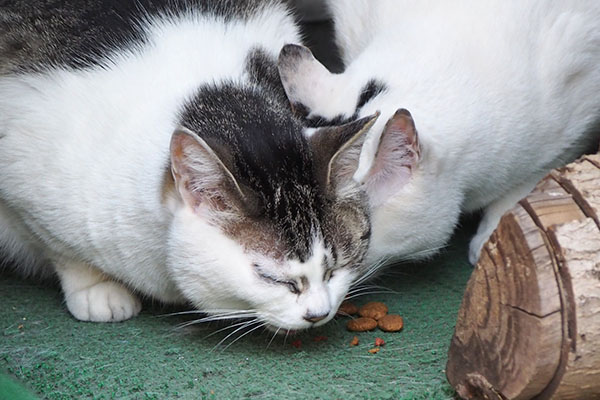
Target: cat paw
{"x": 476, "y": 245}
{"x": 105, "y": 301}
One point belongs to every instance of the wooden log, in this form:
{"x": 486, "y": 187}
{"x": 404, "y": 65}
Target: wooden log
{"x": 529, "y": 323}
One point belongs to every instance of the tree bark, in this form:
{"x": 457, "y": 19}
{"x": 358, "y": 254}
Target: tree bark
{"x": 529, "y": 323}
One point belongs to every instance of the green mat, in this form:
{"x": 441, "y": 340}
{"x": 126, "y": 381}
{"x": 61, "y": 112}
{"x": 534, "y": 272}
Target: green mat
{"x": 11, "y": 390}
{"x": 149, "y": 357}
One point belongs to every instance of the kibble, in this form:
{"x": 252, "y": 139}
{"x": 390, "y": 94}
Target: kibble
{"x": 361, "y": 324}
{"x": 391, "y": 323}
{"x": 347, "y": 308}
{"x": 373, "y": 309}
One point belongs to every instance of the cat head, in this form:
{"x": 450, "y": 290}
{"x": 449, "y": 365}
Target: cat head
{"x": 392, "y": 161}
{"x": 267, "y": 221}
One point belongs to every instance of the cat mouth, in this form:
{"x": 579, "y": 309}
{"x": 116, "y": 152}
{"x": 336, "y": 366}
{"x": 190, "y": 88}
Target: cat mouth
{"x": 281, "y": 330}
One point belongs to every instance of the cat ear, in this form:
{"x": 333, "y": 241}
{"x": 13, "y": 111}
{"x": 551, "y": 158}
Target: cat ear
{"x": 200, "y": 175}
{"x": 306, "y": 81}
{"x": 397, "y": 155}
{"x": 337, "y": 150}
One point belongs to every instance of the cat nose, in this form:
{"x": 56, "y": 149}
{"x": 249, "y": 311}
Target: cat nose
{"x": 315, "y": 317}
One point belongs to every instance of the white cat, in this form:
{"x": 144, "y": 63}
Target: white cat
{"x": 500, "y": 92}
{"x": 147, "y": 148}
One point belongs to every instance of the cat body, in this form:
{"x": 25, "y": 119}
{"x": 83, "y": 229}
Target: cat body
{"x": 147, "y": 148}
{"x": 109, "y": 94}
{"x": 500, "y": 93}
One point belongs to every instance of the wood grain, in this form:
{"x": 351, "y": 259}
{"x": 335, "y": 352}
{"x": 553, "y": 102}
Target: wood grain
{"x": 529, "y": 323}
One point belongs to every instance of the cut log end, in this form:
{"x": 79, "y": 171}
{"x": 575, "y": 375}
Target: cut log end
{"x": 476, "y": 386}
{"x": 533, "y": 294}
{"x": 509, "y": 327}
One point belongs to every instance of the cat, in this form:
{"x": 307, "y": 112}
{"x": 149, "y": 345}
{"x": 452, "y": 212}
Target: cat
{"x": 147, "y": 149}
{"x": 497, "y": 94}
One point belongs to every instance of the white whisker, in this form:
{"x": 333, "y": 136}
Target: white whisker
{"x": 274, "y": 335}
{"x": 247, "y": 324}
{"x": 345, "y": 314}
{"x": 244, "y": 334}
{"x": 384, "y": 261}
{"x": 181, "y": 313}
{"x": 213, "y": 318}
{"x": 224, "y": 311}
{"x": 369, "y": 287}
{"x": 231, "y": 326}
{"x": 418, "y": 255}
{"x": 366, "y": 293}
{"x": 371, "y": 271}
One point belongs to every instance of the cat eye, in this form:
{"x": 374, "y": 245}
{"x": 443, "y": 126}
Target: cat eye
{"x": 293, "y": 286}
{"x": 328, "y": 275}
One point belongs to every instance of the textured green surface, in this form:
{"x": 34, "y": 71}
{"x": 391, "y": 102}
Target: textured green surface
{"x": 149, "y": 357}
{"x": 11, "y": 390}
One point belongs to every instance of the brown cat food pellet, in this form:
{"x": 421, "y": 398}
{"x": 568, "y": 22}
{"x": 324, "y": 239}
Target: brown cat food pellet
{"x": 361, "y": 324}
{"x": 354, "y": 341}
{"x": 379, "y": 341}
{"x": 374, "y": 350}
{"x": 391, "y": 323}
{"x": 374, "y": 309}
{"x": 347, "y": 308}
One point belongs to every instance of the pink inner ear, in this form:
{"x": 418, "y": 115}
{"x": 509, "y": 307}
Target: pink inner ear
{"x": 391, "y": 170}
{"x": 396, "y": 157}
{"x": 195, "y": 171}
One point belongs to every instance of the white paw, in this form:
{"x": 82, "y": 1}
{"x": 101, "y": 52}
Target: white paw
{"x": 103, "y": 302}
{"x": 476, "y": 245}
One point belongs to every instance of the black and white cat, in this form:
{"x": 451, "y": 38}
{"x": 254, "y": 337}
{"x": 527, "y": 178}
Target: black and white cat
{"x": 500, "y": 92}
{"x": 148, "y": 148}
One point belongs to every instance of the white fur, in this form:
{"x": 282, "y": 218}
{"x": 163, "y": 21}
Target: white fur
{"x": 356, "y": 22}
{"x": 82, "y": 161}
{"x": 194, "y": 269}
{"x": 500, "y": 92}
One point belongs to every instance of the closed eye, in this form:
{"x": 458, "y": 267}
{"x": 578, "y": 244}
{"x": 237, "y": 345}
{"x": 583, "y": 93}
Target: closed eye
{"x": 291, "y": 285}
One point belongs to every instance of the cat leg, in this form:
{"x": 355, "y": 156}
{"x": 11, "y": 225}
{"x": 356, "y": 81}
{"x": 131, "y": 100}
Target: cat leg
{"x": 492, "y": 215}
{"x": 91, "y": 296}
